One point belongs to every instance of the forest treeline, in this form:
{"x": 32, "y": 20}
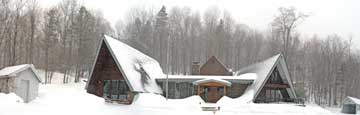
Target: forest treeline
{"x": 64, "y": 38}
{"x": 60, "y": 38}
{"x": 324, "y": 70}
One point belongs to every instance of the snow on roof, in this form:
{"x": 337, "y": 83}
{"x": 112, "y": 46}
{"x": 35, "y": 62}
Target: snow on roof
{"x": 11, "y": 71}
{"x": 354, "y": 100}
{"x": 132, "y": 63}
{"x": 8, "y": 71}
{"x": 246, "y": 76}
{"x": 263, "y": 70}
{"x": 227, "y": 83}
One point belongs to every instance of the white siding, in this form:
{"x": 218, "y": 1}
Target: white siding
{"x": 27, "y": 75}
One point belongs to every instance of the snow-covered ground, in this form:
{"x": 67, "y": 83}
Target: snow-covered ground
{"x": 57, "y": 77}
{"x": 72, "y": 99}
{"x": 336, "y": 110}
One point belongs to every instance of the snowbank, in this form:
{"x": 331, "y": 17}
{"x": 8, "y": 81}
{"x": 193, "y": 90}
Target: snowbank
{"x": 158, "y": 101}
{"x": 273, "y": 109}
{"x": 189, "y": 103}
{"x": 10, "y": 103}
{"x": 149, "y": 99}
{"x": 10, "y": 98}
{"x": 246, "y": 98}
{"x": 72, "y": 99}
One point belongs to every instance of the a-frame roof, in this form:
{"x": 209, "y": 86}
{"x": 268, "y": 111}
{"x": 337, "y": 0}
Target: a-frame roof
{"x": 132, "y": 63}
{"x": 263, "y": 70}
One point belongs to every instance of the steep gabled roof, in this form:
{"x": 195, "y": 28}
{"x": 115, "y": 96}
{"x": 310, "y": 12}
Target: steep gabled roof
{"x": 132, "y": 64}
{"x": 11, "y": 71}
{"x": 264, "y": 69}
{"x": 216, "y": 61}
{"x": 212, "y": 62}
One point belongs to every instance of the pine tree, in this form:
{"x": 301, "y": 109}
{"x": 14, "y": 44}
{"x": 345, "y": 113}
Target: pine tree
{"x": 161, "y": 37}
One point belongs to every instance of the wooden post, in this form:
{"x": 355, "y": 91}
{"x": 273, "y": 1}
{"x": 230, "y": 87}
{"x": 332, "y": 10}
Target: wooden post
{"x": 224, "y": 90}
{"x": 198, "y": 90}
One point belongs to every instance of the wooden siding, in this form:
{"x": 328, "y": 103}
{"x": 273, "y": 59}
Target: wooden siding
{"x": 213, "y": 91}
{"x": 274, "y": 89}
{"x": 236, "y": 90}
{"x": 105, "y": 69}
{"x": 214, "y": 67}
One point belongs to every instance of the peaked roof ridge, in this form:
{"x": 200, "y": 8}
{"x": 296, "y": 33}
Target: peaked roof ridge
{"x": 124, "y": 45}
{"x": 217, "y": 59}
{"x": 248, "y": 69}
{"x": 263, "y": 70}
{"x": 131, "y": 63}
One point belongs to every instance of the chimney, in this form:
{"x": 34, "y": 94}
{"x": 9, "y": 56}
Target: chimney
{"x": 195, "y": 68}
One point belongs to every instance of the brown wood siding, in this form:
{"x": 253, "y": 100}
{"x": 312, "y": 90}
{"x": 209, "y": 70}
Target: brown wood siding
{"x": 236, "y": 90}
{"x": 214, "y": 67}
{"x": 213, "y": 93}
{"x": 271, "y": 89}
{"x": 105, "y": 69}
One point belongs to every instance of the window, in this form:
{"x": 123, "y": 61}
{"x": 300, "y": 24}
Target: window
{"x": 116, "y": 89}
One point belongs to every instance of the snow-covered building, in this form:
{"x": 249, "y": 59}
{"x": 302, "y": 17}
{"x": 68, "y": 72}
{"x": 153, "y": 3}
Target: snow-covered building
{"x": 120, "y": 72}
{"x": 351, "y": 105}
{"x": 22, "y": 80}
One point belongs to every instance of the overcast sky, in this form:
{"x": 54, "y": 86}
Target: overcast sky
{"x": 327, "y": 16}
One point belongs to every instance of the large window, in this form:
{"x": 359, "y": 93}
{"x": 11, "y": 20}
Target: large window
{"x": 116, "y": 89}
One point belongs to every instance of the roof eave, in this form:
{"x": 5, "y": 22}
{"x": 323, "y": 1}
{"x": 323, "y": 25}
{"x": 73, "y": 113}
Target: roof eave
{"x": 118, "y": 64}
{"x": 272, "y": 69}
{"x": 94, "y": 63}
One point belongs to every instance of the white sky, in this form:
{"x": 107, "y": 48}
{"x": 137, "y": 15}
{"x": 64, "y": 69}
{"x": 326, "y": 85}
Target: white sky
{"x": 327, "y": 16}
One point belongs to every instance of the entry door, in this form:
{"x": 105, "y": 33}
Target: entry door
{"x": 24, "y": 90}
{"x": 213, "y": 94}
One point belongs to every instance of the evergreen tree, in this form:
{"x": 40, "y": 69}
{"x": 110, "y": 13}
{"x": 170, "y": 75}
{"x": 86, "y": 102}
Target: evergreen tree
{"x": 161, "y": 39}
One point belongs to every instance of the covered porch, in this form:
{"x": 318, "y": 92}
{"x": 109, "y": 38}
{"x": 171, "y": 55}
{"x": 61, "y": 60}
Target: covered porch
{"x": 211, "y": 90}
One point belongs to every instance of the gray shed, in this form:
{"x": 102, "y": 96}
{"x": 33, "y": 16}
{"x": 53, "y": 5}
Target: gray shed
{"x": 351, "y": 105}
{"x": 22, "y": 80}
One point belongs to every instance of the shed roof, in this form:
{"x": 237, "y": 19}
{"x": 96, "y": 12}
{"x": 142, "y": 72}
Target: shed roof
{"x": 11, "y": 71}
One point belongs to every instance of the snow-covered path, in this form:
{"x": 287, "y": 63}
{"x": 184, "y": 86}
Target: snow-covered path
{"x": 72, "y": 99}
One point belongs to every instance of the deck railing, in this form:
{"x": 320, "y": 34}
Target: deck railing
{"x": 300, "y": 101}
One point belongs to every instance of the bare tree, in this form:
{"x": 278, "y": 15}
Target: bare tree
{"x": 285, "y": 23}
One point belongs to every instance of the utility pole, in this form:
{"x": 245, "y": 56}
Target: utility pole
{"x": 167, "y": 67}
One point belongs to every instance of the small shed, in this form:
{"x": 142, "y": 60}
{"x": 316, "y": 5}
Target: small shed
{"x": 351, "y": 105}
{"x": 22, "y": 80}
